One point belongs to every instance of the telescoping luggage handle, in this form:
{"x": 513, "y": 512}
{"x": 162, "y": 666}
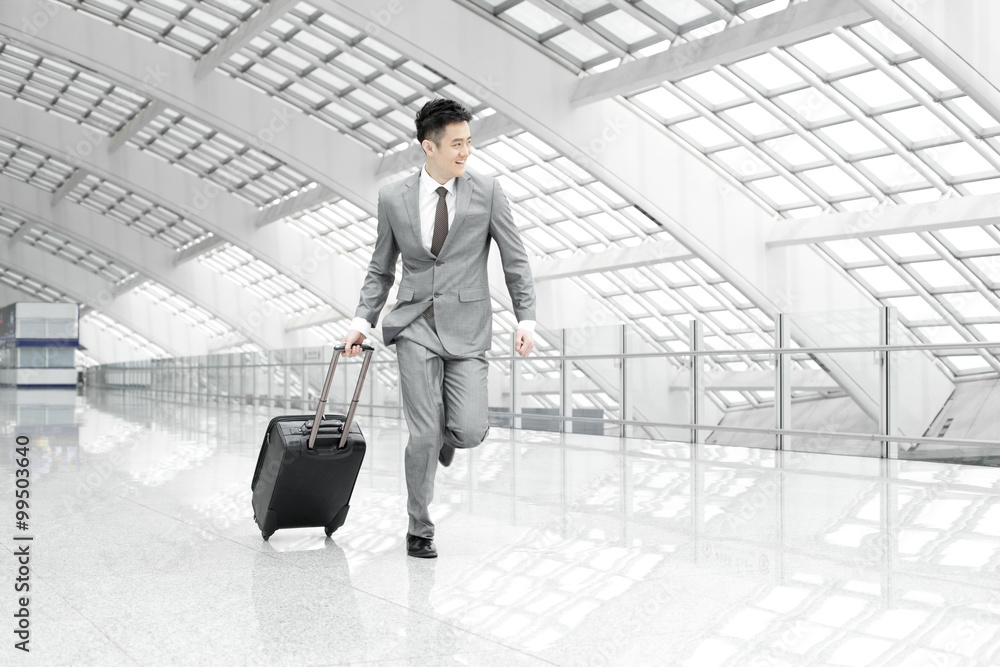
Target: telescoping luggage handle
{"x": 321, "y": 408}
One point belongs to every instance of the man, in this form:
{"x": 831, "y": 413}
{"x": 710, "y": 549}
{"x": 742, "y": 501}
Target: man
{"x": 441, "y": 222}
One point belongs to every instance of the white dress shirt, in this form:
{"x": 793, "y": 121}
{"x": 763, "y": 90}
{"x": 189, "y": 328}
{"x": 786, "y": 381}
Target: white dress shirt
{"x": 428, "y": 202}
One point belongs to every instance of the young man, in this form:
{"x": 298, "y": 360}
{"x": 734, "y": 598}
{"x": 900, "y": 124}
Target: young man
{"x": 441, "y": 221}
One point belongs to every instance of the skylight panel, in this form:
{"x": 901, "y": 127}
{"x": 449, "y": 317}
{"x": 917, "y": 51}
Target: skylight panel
{"x": 779, "y": 192}
{"x": 534, "y": 19}
{"x": 680, "y": 13}
{"x": 892, "y": 172}
{"x": 907, "y": 246}
{"x": 767, "y": 73}
{"x": 988, "y": 269}
{"x": 542, "y": 240}
{"x": 396, "y": 88}
{"x": 851, "y": 139}
{"x": 702, "y": 133}
{"x": 794, "y": 152}
{"x": 970, "y": 305}
{"x": 741, "y": 163}
{"x": 930, "y": 78}
{"x": 882, "y": 280}
{"x": 984, "y": 187}
{"x": 627, "y": 29}
{"x": 290, "y": 60}
{"x": 508, "y": 155}
{"x": 874, "y": 90}
{"x": 810, "y": 107}
{"x": 313, "y": 44}
{"x": 305, "y": 93}
{"x": 968, "y": 239}
{"x": 712, "y": 90}
{"x": 958, "y": 161}
{"x": 967, "y": 364}
{"x": 829, "y": 55}
{"x": 577, "y": 47}
{"x": 918, "y": 196}
{"x": 579, "y": 204}
{"x": 663, "y": 105}
{"x": 914, "y": 309}
{"x": 850, "y": 251}
{"x": 937, "y": 274}
{"x": 990, "y": 332}
{"x": 753, "y": 120}
{"x": 974, "y": 115}
{"x": 917, "y": 124}
{"x": 833, "y": 183}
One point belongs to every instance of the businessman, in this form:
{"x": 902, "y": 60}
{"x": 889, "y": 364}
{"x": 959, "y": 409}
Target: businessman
{"x": 441, "y": 221}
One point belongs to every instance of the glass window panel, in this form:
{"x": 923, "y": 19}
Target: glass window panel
{"x": 980, "y": 119}
{"x": 753, "y": 119}
{"x": 968, "y": 363}
{"x": 853, "y": 205}
{"x": 882, "y": 38}
{"x": 631, "y": 307}
{"x": 507, "y": 155}
{"x": 626, "y": 28}
{"x": 874, "y": 89}
{"x": 742, "y": 163}
{"x": 663, "y": 104}
{"x": 532, "y": 17}
{"x": 984, "y": 187}
{"x": 794, "y": 151}
{"x": 892, "y": 172}
{"x": 511, "y": 187}
{"x": 919, "y": 196}
{"x": 541, "y": 177}
{"x": 700, "y": 296}
{"x": 538, "y": 146}
{"x": 779, "y": 191}
{"x": 882, "y": 279}
{"x": 703, "y": 133}
{"x": 575, "y": 201}
{"x": 809, "y": 106}
{"x": 968, "y": 239}
{"x": 917, "y": 124}
{"x": 610, "y": 227}
{"x": 970, "y": 304}
{"x": 938, "y": 274}
{"x": 988, "y": 267}
{"x": 940, "y": 335}
{"x": 930, "y": 77}
{"x": 957, "y": 161}
{"x": 578, "y": 46}
{"x": 575, "y": 232}
{"x": 768, "y": 72}
{"x": 354, "y": 65}
{"x": 712, "y": 89}
{"x": 585, "y": 6}
{"x": 679, "y": 12}
{"x": 850, "y": 251}
{"x": 852, "y": 138}
{"x": 990, "y": 332}
{"x": 907, "y": 245}
{"x": 833, "y": 182}
{"x": 830, "y": 54}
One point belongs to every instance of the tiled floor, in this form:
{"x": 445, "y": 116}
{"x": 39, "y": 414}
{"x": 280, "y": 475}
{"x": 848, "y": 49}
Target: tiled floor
{"x": 554, "y": 550}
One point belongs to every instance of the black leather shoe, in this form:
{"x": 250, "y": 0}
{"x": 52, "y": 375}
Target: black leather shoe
{"x": 446, "y": 455}
{"x": 420, "y": 547}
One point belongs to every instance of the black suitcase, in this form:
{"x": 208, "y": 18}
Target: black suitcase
{"x": 308, "y": 465}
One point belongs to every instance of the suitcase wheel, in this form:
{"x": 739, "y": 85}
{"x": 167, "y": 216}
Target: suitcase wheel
{"x": 265, "y": 535}
{"x": 329, "y": 531}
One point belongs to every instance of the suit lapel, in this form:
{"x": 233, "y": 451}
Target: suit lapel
{"x": 411, "y": 204}
{"x": 463, "y": 196}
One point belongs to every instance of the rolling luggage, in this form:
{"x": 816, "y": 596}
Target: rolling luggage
{"x": 307, "y": 466}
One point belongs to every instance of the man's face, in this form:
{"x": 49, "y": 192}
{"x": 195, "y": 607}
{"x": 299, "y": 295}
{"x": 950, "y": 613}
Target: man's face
{"x": 446, "y": 159}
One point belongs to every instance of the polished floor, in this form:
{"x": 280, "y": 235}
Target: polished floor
{"x": 554, "y": 550}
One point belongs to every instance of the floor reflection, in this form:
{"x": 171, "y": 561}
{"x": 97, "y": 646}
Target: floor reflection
{"x": 555, "y": 549}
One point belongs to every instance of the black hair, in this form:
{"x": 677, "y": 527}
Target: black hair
{"x": 435, "y": 115}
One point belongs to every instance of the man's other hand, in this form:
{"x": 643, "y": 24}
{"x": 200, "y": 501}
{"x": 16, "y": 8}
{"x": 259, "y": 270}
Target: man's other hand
{"x": 523, "y": 343}
{"x": 352, "y": 343}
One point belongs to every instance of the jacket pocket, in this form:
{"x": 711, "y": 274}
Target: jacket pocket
{"x": 473, "y": 294}
{"x": 404, "y": 294}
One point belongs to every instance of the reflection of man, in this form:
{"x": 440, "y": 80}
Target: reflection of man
{"x": 441, "y": 222}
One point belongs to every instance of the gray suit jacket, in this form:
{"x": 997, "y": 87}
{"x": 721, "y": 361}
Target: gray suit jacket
{"x": 456, "y": 280}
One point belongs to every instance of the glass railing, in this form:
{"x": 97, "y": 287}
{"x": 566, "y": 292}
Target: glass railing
{"x": 879, "y": 395}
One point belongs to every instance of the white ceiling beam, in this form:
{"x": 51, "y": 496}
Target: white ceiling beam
{"x": 612, "y": 259}
{"x": 242, "y": 36}
{"x": 131, "y": 310}
{"x": 294, "y": 205}
{"x": 202, "y": 202}
{"x": 136, "y": 123}
{"x": 198, "y": 249}
{"x": 791, "y": 25}
{"x": 253, "y": 317}
{"x": 956, "y": 37}
{"x": 77, "y": 177}
{"x": 889, "y": 219}
{"x": 216, "y": 99}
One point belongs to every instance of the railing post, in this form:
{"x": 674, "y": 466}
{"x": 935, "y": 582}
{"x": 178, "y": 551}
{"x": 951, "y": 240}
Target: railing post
{"x": 782, "y": 384}
{"x": 696, "y": 381}
{"x": 625, "y": 404}
{"x": 887, "y": 412}
{"x": 565, "y": 387}
{"x": 514, "y": 384}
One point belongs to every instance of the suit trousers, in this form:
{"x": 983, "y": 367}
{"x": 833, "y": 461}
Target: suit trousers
{"x": 445, "y": 401}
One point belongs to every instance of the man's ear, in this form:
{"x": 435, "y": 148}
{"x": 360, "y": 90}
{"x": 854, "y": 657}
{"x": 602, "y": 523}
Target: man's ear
{"x": 428, "y": 146}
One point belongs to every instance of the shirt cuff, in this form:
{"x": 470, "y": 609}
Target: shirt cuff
{"x": 362, "y": 325}
{"x": 527, "y": 325}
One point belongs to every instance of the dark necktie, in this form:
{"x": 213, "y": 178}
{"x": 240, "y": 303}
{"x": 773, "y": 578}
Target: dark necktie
{"x": 440, "y": 222}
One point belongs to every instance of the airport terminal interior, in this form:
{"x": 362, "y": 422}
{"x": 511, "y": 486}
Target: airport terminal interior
{"x": 760, "y": 426}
